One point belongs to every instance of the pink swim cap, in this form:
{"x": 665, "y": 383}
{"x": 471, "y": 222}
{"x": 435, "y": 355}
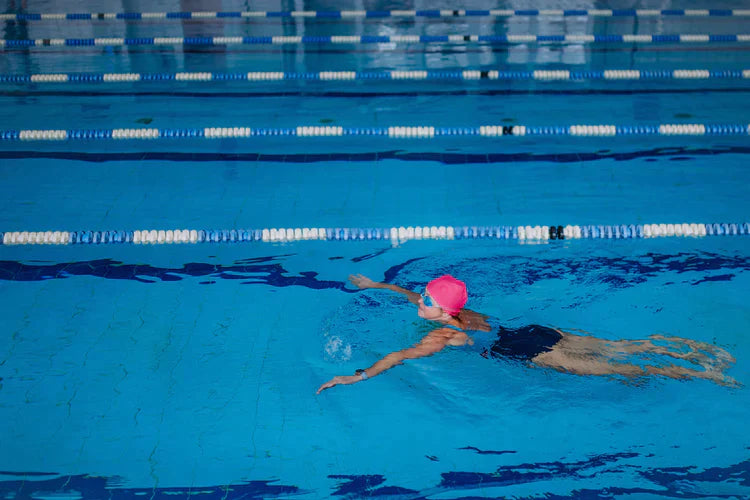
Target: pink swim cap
{"x": 449, "y": 293}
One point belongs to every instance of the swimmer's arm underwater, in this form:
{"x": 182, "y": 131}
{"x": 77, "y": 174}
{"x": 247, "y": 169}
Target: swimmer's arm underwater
{"x": 429, "y": 345}
{"x": 363, "y": 282}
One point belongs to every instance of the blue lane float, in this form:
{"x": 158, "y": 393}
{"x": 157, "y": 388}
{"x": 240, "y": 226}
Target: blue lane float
{"x": 376, "y": 14}
{"x": 466, "y": 74}
{"x": 537, "y": 233}
{"x": 394, "y": 132}
{"x": 368, "y": 39}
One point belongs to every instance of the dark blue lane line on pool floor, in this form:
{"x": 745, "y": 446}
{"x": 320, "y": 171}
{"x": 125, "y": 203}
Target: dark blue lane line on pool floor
{"x": 486, "y": 452}
{"x": 673, "y": 153}
{"x": 263, "y": 270}
{"x": 731, "y": 481}
{"x": 615, "y": 272}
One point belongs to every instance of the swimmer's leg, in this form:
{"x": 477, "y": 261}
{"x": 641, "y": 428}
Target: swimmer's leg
{"x": 614, "y": 349}
{"x": 709, "y": 357}
{"x": 619, "y": 347}
{"x": 681, "y": 373}
{"x": 558, "y": 360}
{"x": 578, "y": 365}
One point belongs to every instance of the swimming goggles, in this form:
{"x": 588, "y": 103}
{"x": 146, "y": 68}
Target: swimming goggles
{"x": 428, "y": 301}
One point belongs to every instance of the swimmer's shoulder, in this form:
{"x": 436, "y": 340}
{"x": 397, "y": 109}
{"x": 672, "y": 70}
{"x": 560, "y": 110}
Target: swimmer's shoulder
{"x": 449, "y": 335}
{"x": 477, "y": 322}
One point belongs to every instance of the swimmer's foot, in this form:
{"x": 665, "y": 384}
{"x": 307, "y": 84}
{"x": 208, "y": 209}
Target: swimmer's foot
{"x": 717, "y": 376}
{"x": 723, "y": 359}
{"x": 711, "y": 357}
{"x": 730, "y": 382}
{"x": 721, "y": 379}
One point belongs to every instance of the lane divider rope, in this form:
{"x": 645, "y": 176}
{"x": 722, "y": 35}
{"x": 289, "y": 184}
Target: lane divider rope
{"x": 395, "y": 234}
{"x": 397, "y": 132}
{"x": 461, "y": 75}
{"x": 345, "y": 14}
{"x": 368, "y": 39}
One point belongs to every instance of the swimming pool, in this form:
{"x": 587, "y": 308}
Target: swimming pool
{"x": 172, "y": 370}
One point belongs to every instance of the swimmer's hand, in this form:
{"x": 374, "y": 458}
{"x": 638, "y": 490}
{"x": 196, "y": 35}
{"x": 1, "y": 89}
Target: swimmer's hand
{"x": 341, "y": 379}
{"x": 363, "y": 282}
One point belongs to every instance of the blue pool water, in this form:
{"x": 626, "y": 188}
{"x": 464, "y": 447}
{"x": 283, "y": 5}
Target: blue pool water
{"x": 177, "y": 370}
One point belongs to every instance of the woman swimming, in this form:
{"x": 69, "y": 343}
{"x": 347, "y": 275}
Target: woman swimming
{"x": 443, "y": 301}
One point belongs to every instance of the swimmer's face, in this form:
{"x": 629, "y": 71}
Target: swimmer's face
{"x": 428, "y": 309}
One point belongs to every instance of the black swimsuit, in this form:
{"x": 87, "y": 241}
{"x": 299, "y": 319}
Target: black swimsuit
{"x": 524, "y": 343}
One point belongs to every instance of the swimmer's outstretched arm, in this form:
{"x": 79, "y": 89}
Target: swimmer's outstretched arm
{"x": 428, "y": 346}
{"x": 364, "y": 282}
